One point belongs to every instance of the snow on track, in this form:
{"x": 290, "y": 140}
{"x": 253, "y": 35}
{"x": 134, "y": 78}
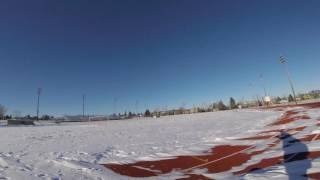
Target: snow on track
{"x": 77, "y": 150}
{"x": 289, "y": 149}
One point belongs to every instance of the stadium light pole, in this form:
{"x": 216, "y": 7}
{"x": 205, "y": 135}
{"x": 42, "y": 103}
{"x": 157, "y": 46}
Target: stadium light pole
{"x": 264, "y": 84}
{"x": 83, "y": 105}
{"x": 137, "y": 107}
{"x": 115, "y": 101}
{"x": 284, "y": 62}
{"x": 255, "y": 95}
{"x": 38, "y": 103}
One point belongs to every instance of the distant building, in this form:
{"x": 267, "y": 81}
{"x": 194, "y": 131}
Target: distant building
{"x": 194, "y": 110}
{"x": 314, "y": 92}
{"x": 284, "y": 101}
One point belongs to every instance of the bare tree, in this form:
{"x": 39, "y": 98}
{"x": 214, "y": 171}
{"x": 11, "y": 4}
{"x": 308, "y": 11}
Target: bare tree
{"x": 16, "y": 114}
{"x": 3, "y": 111}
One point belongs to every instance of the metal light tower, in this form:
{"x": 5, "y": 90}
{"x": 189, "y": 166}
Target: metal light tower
{"x": 83, "y": 105}
{"x": 255, "y": 94}
{"x": 284, "y": 62}
{"x": 115, "y": 101}
{"x": 264, "y": 84}
{"x": 137, "y": 107}
{"x": 38, "y": 104}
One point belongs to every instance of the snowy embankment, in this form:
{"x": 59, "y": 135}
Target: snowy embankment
{"x": 76, "y": 150}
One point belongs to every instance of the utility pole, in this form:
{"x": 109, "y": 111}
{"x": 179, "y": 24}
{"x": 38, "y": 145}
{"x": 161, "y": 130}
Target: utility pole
{"x": 255, "y": 95}
{"x": 264, "y": 84}
{"x": 38, "y": 104}
{"x": 83, "y": 105}
{"x": 137, "y": 107}
{"x": 115, "y": 100}
{"x": 284, "y": 62}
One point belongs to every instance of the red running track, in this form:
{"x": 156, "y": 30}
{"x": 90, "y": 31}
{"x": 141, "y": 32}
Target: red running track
{"x": 224, "y": 157}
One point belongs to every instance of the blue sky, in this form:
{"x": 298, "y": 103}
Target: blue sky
{"x": 160, "y": 53}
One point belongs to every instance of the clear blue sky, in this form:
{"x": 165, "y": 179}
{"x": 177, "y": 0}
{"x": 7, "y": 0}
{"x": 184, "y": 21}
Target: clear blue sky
{"x": 161, "y": 53}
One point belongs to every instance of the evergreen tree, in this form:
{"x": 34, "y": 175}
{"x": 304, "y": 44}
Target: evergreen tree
{"x": 290, "y": 98}
{"x": 278, "y": 99}
{"x": 45, "y": 117}
{"x": 221, "y": 106}
{"x": 130, "y": 115}
{"x": 301, "y": 96}
{"x": 214, "y": 106}
{"x": 233, "y": 104}
{"x": 8, "y": 117}
{"x": 147, "y": 113}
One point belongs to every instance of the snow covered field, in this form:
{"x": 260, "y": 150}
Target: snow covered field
{"x": 77, "y": 150}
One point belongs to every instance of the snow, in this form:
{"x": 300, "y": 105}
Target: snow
{"x": 77, "y": 150}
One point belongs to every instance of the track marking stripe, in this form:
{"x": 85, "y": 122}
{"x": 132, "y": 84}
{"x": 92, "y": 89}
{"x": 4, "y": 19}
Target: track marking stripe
{"x": 230, "y": 155}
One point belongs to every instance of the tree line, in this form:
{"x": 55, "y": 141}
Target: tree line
{"x": 4, "y": 116}
{"x": 216, "y": 106}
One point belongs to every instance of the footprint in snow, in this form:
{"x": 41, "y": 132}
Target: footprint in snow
{"x": 42, "y": 175}
{"x": 3, "y": 163}
{"x": 55, "y": 178}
